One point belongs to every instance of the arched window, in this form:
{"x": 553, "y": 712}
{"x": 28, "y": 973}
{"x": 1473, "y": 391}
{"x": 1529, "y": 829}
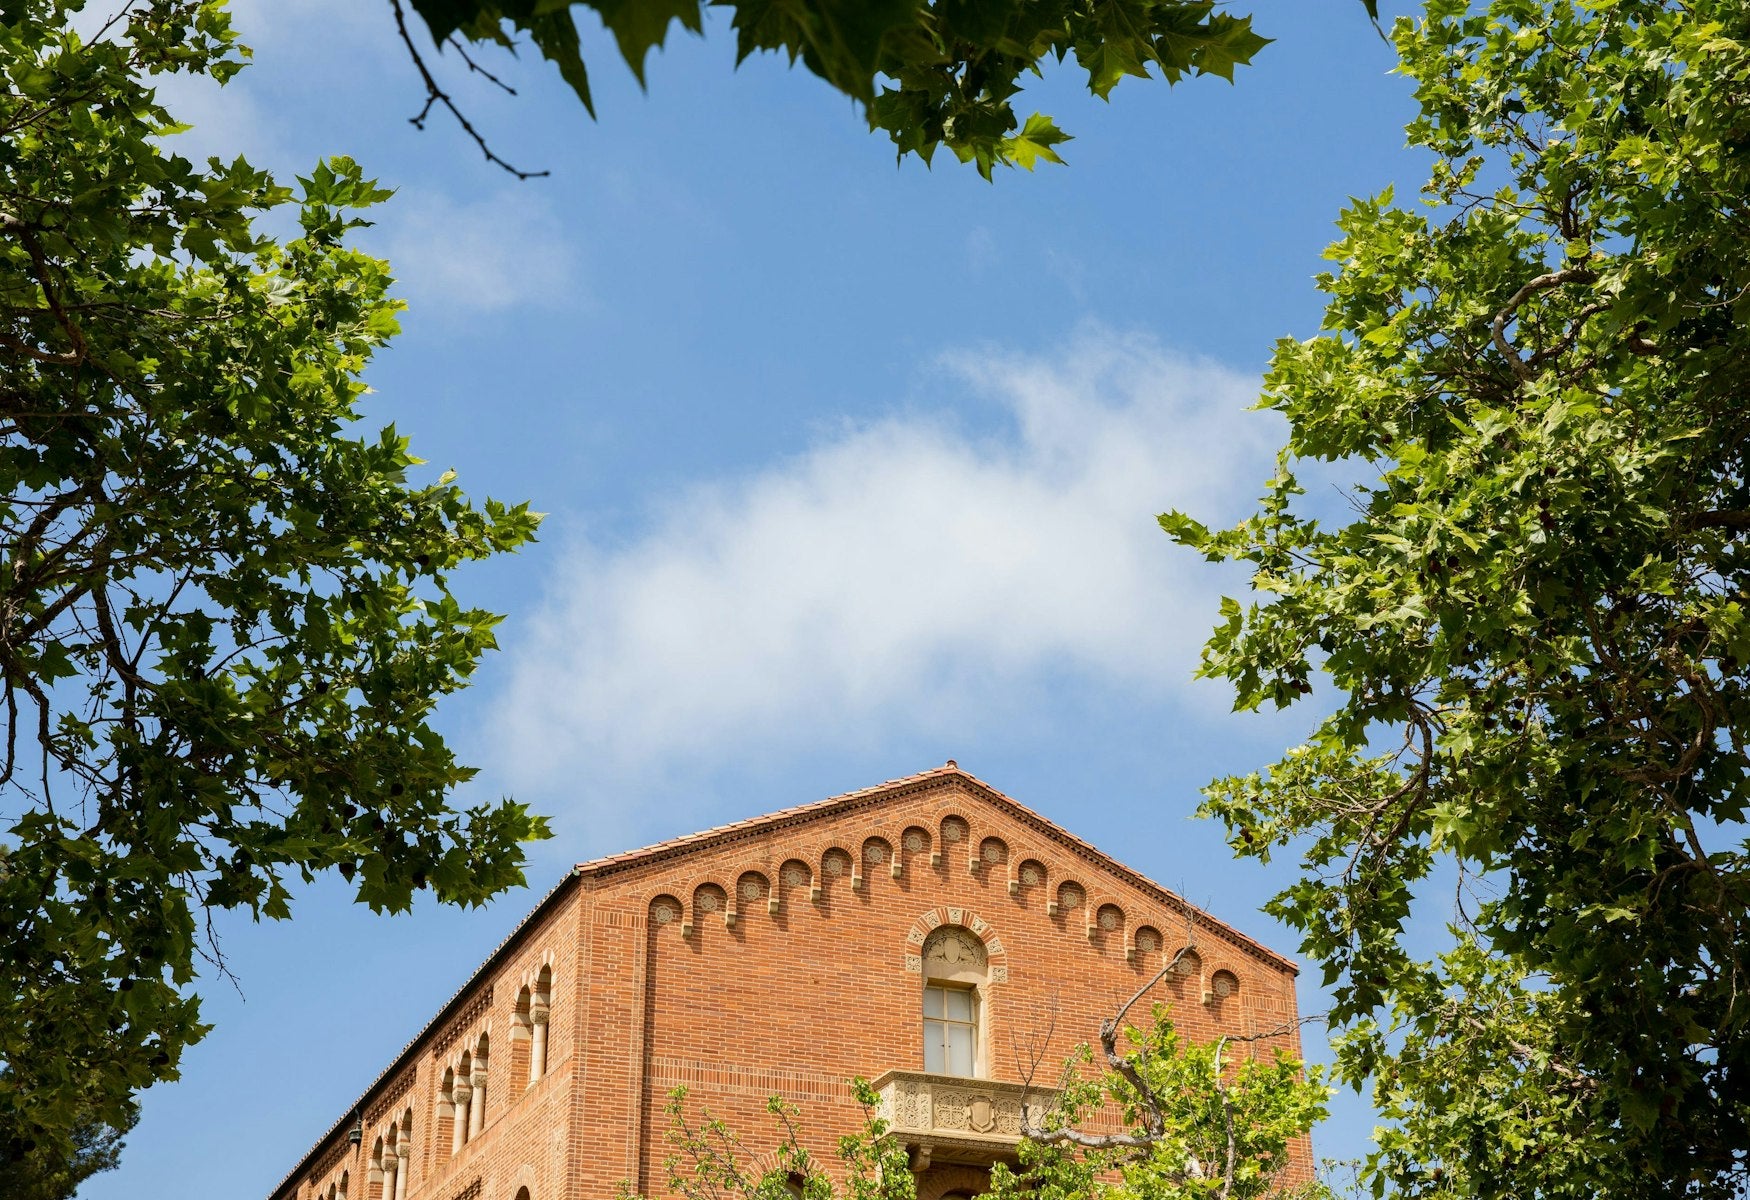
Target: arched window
{"x": 403, "y": 1133}
{"x": 540, "y": 1014}
{"x": 955, "y": 966}
{"x": 446, "y": 1118}
{"x": 461, "y": 1102}
{"x": 521, "y": 1030}
{"x": 392, "y": 1174}
{"x": 477, "y": 1101}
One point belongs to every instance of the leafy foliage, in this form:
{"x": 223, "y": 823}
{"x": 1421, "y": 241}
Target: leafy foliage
{"x": 709, "y": 1161}
{"x": 50, "y": 1172}
{"x": 1192, "y": 1124}
{"x": 224, "y": 622}
{"x": 1535, "y": 619}
{"x": 943, "y": 73}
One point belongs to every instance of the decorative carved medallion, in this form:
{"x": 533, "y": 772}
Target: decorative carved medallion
{"x": 977, "y": 1112}
{"x": 663, "y": 913}
{"x": 796, "y": 875}
{"x": 955, "y": 830}
{"x": 954, "y": 948}
{"x": 979, "y": 1115}
{"x": 914, "y": 842}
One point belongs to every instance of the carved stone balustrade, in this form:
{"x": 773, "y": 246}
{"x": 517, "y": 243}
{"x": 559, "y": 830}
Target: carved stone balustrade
{"x": 944, "y": 1118}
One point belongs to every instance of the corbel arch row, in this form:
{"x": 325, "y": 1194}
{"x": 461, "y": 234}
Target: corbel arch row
{"x": 1032, "y": 869}
{"x": 947, "y": 835}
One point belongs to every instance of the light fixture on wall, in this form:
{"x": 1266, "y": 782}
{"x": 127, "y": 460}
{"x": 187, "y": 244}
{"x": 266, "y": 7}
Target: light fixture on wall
{"x": 357, "y": 1134}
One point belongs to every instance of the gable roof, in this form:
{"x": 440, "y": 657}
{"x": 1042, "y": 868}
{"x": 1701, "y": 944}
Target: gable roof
{"x": 910, "y": 785}
{"x": 720, "y": 835}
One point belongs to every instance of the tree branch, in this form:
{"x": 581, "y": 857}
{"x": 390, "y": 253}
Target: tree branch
{"x": 1498, "y": 328}
{"x": 434, "y": 95}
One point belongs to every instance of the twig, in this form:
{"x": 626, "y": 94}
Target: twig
{"x": 456, "y": 44}
{"x": 434, "y": 95}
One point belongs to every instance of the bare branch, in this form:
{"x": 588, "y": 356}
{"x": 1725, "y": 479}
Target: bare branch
{"x": 434, "y": 95}
{"x": 455, "y": 43}
{"x": 1543, "y": 283}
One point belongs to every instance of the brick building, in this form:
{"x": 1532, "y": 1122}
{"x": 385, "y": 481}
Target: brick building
{"x": 913, "y": 933}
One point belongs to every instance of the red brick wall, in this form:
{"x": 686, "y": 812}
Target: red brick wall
{"x": 794, "y": 1002}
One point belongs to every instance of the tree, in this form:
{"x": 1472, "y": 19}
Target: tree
{"x": 1192, "y": 1123}
{"x": 49, "y": 1173}
{"x": 710, "y": 1161}
{"x": 1188, "y": 1125}
{"x": 224, "y": 621}
{"x": 1534, "y": 617}
{"x": 929, "y": 74}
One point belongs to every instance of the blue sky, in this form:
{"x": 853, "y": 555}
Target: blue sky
{"x": 850, "y": 469}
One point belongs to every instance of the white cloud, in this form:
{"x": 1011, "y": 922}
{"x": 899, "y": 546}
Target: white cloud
{"x": 899, "y": 573}
{"x": 506, "y": 249}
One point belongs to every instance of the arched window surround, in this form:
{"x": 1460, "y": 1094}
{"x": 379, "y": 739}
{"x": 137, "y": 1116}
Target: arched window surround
{"x": 955, "y": 1003}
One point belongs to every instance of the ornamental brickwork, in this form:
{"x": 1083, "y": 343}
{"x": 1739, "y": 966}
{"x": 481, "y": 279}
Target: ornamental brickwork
{"x": 785, "y": 955}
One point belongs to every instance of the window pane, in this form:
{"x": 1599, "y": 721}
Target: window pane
{"x": 959, "y": 1005}
{"x": 933, "y": 1042}
{"x": 960, "y": 1050}
{"x": 932, "y": 1002}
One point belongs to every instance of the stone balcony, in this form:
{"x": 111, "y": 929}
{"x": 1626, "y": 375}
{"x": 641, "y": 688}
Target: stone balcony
{"x": 948, "y": 1119}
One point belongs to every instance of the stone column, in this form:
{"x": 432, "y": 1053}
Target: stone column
{"x": 390, "y": 1173}
{"x": 403, "y": 1168}
{"x": 460, "y": 1091}
{"x": 477, "y": 1102}
{"x": 538, "y": 1016}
